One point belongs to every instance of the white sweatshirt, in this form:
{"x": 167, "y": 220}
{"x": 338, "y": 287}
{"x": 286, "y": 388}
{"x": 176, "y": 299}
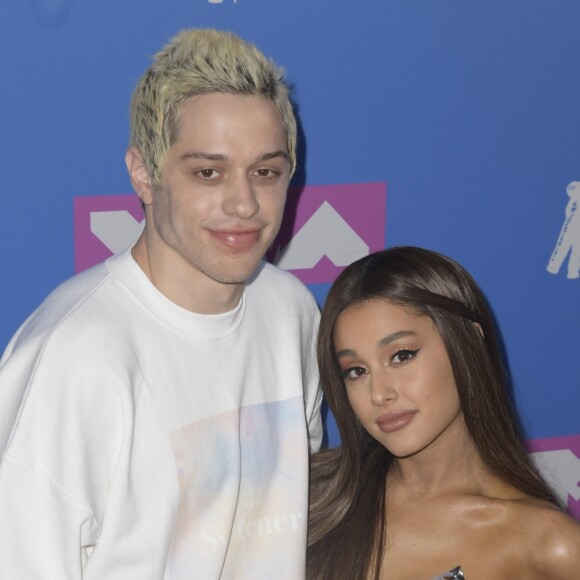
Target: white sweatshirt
{"x": 142, "y": 441}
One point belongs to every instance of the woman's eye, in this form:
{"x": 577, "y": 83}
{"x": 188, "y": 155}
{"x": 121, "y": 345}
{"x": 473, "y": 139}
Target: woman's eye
{"x": 353, "y": 373}
{"x": 404, "y": 356}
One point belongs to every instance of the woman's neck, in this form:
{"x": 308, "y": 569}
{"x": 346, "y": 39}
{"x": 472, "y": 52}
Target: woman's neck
{"x": 449, "y": 465}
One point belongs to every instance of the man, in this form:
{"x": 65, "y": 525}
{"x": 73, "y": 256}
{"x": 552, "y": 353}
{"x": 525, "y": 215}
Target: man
{"x": 156, "y": 411}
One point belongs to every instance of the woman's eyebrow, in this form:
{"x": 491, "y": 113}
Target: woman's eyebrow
{"x": 385, "y": 341}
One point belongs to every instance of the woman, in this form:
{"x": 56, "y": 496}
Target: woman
{"x": 432, "y": 473}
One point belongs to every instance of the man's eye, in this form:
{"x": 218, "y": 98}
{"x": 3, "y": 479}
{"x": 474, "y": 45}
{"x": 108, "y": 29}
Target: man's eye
{"x": 265, "y": 172}
{"x": 404, "y": 355}
{"x": 207, "y": 173}
{"x": 353, "y": 373}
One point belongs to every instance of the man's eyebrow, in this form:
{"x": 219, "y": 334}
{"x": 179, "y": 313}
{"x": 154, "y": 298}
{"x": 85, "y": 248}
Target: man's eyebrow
{"x": 221, "y": 157}
{"x": 385, "y": 341}
{"x": 274, "y": 154}
{"x": 202, "y": 155}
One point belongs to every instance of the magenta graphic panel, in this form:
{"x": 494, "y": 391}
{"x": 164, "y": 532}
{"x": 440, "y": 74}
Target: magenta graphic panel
{"x": 104, "y": 225}
{"x": 558, "y": 459}
{"x": 326, "y": 227}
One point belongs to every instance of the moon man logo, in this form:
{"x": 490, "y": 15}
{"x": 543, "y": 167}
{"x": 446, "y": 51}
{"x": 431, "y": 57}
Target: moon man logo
{"x": 569, "y": 239}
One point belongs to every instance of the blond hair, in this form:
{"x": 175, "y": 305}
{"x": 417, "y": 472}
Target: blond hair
{"x": 195, "y": 62}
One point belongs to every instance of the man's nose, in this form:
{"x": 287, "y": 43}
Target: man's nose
{"x": 240, "y": 199}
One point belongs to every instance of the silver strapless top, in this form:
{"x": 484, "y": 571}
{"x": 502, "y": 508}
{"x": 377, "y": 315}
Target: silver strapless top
{"x": 455, "y": 574}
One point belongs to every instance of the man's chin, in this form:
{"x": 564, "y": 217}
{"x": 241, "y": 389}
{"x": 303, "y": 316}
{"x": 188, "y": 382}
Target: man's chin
{"x": 237, "y": 275}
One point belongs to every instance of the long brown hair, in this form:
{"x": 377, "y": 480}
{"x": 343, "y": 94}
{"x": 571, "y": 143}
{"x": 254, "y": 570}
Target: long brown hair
{"x": 347, "y": 504}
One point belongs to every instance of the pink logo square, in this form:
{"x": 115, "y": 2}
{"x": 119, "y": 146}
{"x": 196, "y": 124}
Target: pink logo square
{"x": 327, "y": 227}
{"x": 558, "y": 459}
{"x": 104, "y": 225}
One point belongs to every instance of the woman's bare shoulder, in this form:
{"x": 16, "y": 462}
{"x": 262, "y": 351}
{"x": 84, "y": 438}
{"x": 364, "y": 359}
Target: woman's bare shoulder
{"x": 551, "y": 539}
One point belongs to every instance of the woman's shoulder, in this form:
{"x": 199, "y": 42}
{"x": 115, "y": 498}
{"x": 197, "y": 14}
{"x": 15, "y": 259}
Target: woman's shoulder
{"x": 528, "y": 537}
{"x": 554, "y": 542}
{"x": 550, "y": 538}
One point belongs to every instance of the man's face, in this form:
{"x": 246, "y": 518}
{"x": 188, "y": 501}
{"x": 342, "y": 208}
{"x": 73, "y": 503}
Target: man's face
{"x": 223, "y": 188}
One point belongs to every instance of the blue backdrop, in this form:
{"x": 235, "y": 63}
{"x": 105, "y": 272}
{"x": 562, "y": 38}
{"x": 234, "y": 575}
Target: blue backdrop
{"x": 467, "y": 111}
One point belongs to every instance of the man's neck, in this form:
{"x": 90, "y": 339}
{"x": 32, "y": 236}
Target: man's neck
{"x": 196, "y": 293}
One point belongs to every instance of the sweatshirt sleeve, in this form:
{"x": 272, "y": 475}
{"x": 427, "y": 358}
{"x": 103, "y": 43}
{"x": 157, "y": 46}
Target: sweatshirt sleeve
{"x": 43, "y": 532}
{"x": 315, "y": 428}
{"x": 62, "y": 427}
{"x": 312, "y": 390}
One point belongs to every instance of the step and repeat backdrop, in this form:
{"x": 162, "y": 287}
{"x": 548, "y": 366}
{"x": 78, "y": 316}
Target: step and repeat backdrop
{"x": 448, "y": 124}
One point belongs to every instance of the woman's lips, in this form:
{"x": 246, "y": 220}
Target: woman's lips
{"x": 395, "y": 420}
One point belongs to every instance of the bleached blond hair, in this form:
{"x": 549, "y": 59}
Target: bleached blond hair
{"x": 195, "y": 62}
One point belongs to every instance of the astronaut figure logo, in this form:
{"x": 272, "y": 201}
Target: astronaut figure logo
{"x": 569, "y": 238}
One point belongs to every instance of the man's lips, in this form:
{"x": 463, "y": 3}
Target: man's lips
{"x": 395, "y": 420}
{"x": 236, "y": 239}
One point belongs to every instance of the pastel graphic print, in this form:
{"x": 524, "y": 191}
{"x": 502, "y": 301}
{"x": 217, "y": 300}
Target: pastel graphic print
{"x": 241, "y": 512}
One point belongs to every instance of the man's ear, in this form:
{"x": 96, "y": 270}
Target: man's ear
{"x": 139, "y": 175}
{"x": 479, "y": 329}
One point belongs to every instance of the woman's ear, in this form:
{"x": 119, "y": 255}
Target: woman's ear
{"x": 480, "y": 330}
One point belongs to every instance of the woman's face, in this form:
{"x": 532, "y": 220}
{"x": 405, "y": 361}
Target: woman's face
{"x": 398, "y": 377}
